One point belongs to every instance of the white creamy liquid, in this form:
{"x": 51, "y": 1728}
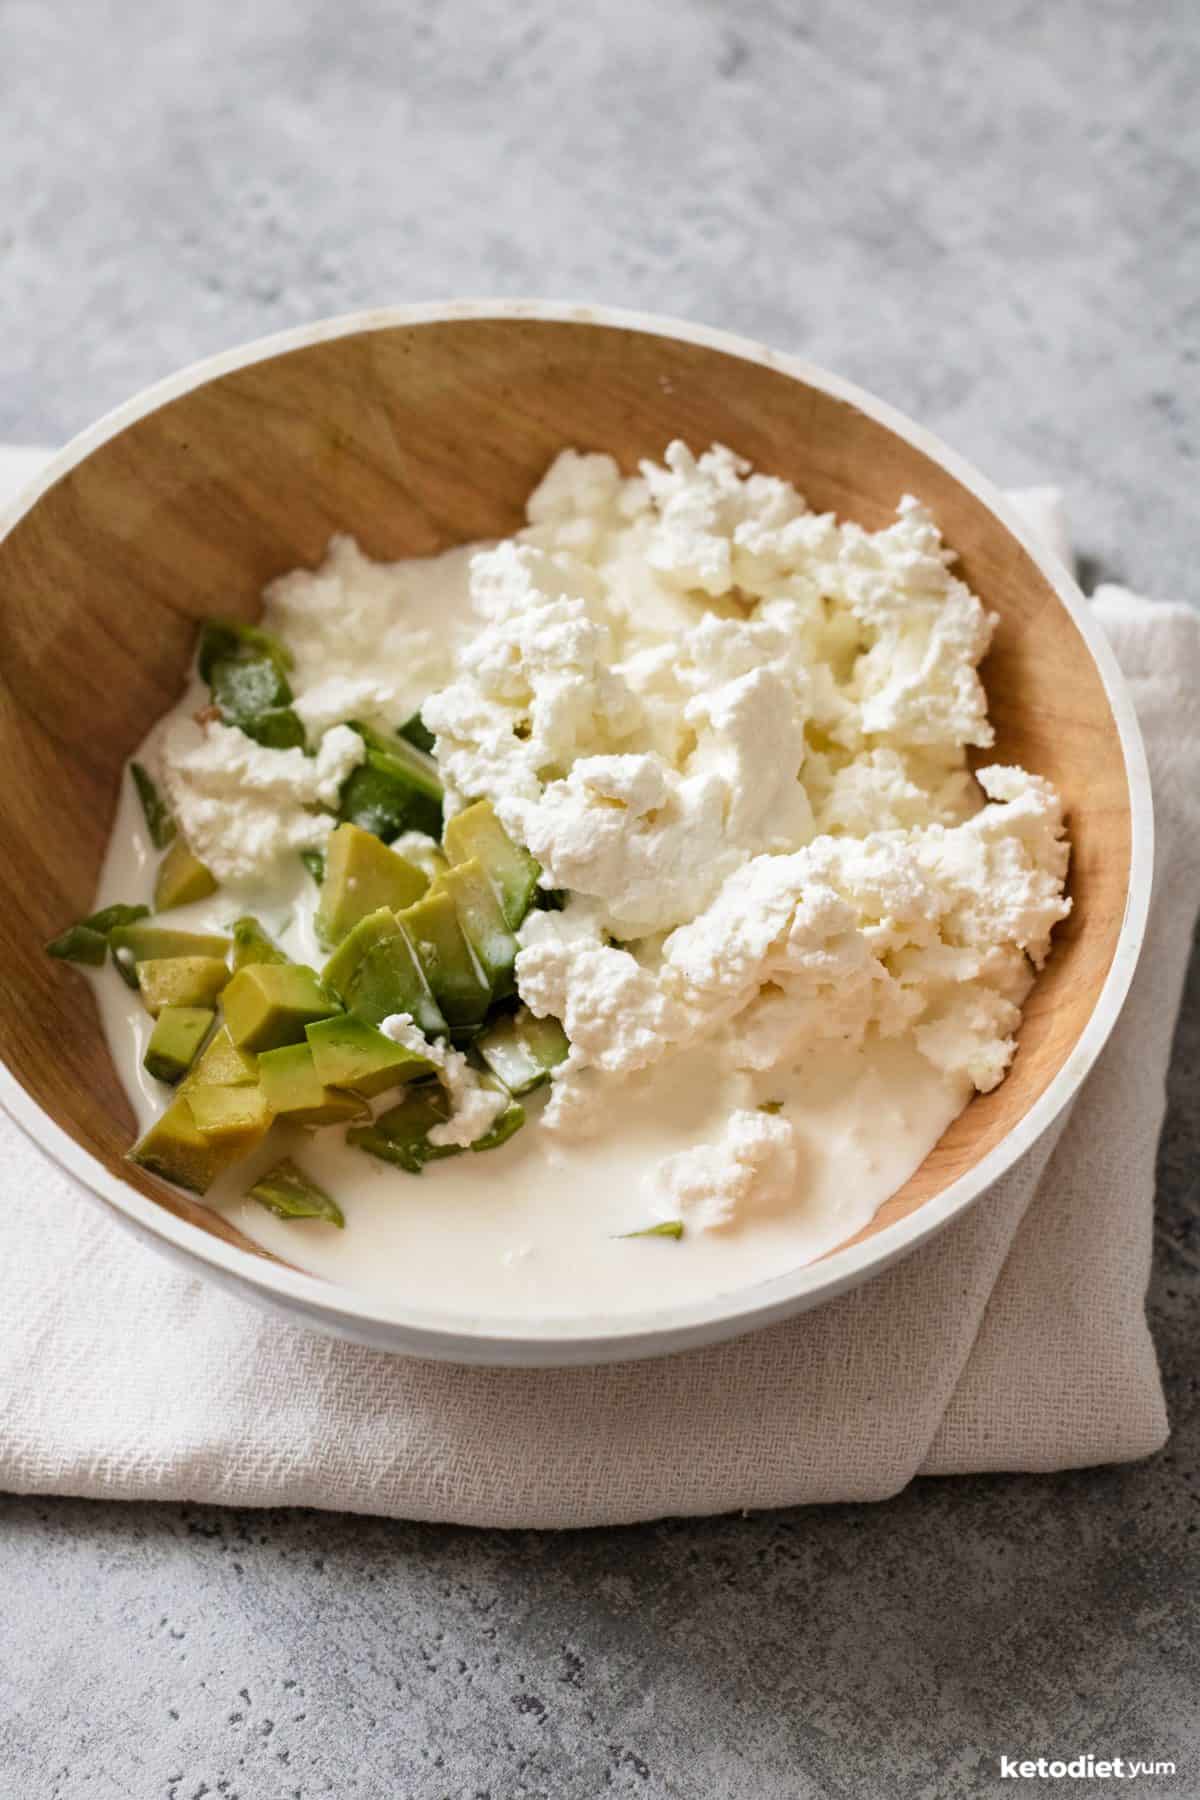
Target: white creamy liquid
{"x": 534, "y": 1229}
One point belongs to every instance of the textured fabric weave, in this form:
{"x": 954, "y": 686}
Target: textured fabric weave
{"x": 1015, "y": 1340}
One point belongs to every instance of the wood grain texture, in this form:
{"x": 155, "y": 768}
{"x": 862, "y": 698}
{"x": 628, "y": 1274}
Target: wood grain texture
{"x": 415, "y": 437}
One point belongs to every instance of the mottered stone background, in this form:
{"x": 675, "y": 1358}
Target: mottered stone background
{"x": 990, "y": 216}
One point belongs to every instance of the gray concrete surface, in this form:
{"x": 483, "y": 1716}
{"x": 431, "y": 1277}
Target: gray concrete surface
{"x": 987, "y": 213}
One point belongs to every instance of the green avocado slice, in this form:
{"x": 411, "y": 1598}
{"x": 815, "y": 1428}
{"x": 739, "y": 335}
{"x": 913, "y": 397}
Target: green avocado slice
{"x": 459, "y": 984}
{"x": 289, "y": 1193}
{"x": 294, "y": 1090}
{"x": 348, "y": 1052}
{"x": 522, "y": 1049}
{"x": 268, "y": 1005}
{"x": 477, "y": 832}
{"x": 375, "y": 972}
{"x": 178, "y": 1034}
{"x": 361, "y": 875}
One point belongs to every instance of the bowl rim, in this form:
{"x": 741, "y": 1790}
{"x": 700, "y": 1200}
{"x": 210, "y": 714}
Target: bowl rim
{"x": 550, "y": 1342}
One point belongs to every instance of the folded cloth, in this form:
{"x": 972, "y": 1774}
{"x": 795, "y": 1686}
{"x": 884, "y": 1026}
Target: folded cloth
{"x": 1014, "y": 1340}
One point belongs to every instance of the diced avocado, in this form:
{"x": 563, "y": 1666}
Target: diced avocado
{"x": 375, "y": 972}
{"x": 180, "y": 981}
{"x": 295, "y": 1091}
{"x": 417, "y": 733}
{"x": 394, "y": 789}
{"x": 347, "y": 1052}
{"x": 79, "y": 944}
{"x": 377, "y": 928}
{"x": 252, "y": 945}
{"x": 268, "y": 1004}
{"x": 87, "y": 942}
{"x": 178, "y": 1033}
{"x": 175, "y": 1148}
{"x": 146, "y": 941}
{"x": 669, "y": 1228}
{"x": 222, "y": 1064}
{"x": 159, "y": 822}
{"x": 476, "y": 831}
{"x": 314, "y": 862}
{"x": 522, "y": 1049}
{"x": 401, "y": 1135}
{"x": 233, "y": 1117}
{"x": 287, "y": 1191}
{"x": 361, "y": 875}
{"x": 181, "y": 878}
{"x": 482, "y": 919}
{"x": 459, "y": 985}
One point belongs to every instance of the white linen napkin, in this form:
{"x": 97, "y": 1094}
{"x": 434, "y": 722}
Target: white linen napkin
{"x": 1014, "y": 1340}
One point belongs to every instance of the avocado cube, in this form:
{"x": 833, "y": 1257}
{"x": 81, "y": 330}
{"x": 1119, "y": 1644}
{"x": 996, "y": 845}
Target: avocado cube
{"x": 521, "y": 1049}
{"x": 233, "y": 1118}
{"x": 375, "y": 971}
{"x": 361, "y": 875}
{"x": 395, "y": 788}
{"x": 180, "y": 981}
{"x": 349, "y": 1052}
{"x": 483, "y": 922}
{"x": 477, "y": 832}
{"x": 145, "y": 943}
{"x": 175, "y": 1148}
{"x": 401, "y": 1135}
{"x": 269, "y": 1004}
{"x": 178, "y": 1033}
{"x": 222, "y": 1064}
{"x": 294, "y": 1090}
{"x": 181, "y": 878}
{"x": 252, "y": 945}
{"x": 459, "y": 985}
{"x": 287, "y": 1191}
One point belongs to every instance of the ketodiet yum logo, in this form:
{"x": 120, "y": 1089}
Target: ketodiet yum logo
{"x": 1080, "y": 1768}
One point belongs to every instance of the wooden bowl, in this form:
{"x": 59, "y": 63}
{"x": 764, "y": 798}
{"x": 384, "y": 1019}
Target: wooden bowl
{"x": 420, "y": 428}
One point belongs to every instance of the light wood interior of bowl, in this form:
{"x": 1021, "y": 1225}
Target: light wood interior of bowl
{"x": 415, "y": 438}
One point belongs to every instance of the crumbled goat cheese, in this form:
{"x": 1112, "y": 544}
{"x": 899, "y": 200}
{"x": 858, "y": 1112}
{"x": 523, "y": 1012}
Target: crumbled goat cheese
{"x": 368, "y": 640}
{"x": 474, "y": 1108}
{"x": 534, "y": 688}
{"x": 241, "y": 806}
{"x": 752, "y": 1168}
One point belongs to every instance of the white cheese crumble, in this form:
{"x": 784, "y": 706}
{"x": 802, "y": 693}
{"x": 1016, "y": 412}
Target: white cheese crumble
{"x": 752, "y": 1168}
{"x": 368, "y": 640}
{"x": 474, "y": 1108}
{"x": 241, "y": 806}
